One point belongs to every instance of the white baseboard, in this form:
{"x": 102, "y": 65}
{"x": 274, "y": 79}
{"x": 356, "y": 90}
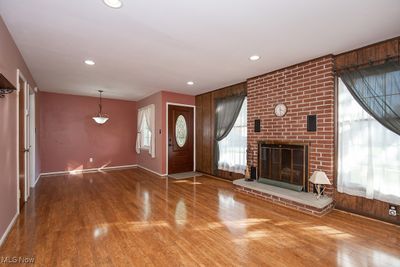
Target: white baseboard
{"x": 147, "y": 169}
{"x": 37, "y": 180}
{"x": 89, "y": 170}
{"x": 9, "y": 227}
{"x": 99, "y": 169}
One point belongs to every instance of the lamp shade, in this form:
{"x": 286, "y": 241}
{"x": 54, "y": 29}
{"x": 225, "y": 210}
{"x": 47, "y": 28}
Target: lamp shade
{"x": 319, "y": 177}
{"x": 100, "y": 120}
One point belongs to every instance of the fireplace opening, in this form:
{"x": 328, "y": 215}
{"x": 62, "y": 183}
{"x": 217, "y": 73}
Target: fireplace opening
{"x": 283, "y": 165}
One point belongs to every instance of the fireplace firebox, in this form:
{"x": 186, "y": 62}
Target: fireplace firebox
{"x": 283, "y": 164}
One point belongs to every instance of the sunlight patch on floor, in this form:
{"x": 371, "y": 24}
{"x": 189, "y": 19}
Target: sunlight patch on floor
{"x": 75, "y": 170}
{"x": 252, "y": 235}
{"x": 284, "y": 223}
{"x": 208, "y": 226}
{"x": 138, "y": 225}
{"x": 257, "y": 234}
{"x": 186, "y": 182}
{"x": 80, "y": 169}
{"x": 329, "y": 231}
{"x": 244, "y": 223}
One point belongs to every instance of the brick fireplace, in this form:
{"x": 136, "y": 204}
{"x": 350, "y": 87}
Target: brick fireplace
{"x": 284, "y": 165}
{"x": 306, "y": 89}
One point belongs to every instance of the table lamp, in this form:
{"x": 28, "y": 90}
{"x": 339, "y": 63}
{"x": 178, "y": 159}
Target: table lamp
{"x": 319, "y": 178}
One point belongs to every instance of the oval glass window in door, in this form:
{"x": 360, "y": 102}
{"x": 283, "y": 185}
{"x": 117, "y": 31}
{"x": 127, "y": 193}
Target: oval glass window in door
{"x": 181, "y": 131}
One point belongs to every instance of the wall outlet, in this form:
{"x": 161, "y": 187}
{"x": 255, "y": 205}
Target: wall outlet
{"x": 392, "y": 210}
{"x": 90, "y": 159}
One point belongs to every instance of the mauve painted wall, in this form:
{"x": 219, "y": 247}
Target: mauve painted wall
{"x": 10, "y": 61}
{"x": 69, "y": 136}
{"x": 144, "y": 158}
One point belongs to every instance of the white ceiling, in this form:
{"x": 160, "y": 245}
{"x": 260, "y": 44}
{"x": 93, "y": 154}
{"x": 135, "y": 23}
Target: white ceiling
{"x": 153, "y": 45}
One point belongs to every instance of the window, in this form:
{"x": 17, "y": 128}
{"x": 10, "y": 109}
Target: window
{"x": 369, "y": 153}
{"x": 145, "y": 130}
{"x": 145, "y": 135}
{"x": 232, "y": 149}
{"x": 181, "y": 131}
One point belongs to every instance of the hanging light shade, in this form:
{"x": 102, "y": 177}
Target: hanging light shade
{"x": 100, "y": 118}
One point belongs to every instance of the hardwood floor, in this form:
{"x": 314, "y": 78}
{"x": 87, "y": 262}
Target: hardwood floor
{"x": 133, "y": 218}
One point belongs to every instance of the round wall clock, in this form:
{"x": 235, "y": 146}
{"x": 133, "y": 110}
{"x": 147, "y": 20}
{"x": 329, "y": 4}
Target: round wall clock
{"x": 280, "y": 110}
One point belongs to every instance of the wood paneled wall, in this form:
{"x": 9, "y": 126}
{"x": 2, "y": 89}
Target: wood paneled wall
{"x": 204, "y": 130}
{"x": 371, "y": 54}
{"x": 367, "y": 207}
{"x": 205, "y": 127}
{"x": 375, "y": 53}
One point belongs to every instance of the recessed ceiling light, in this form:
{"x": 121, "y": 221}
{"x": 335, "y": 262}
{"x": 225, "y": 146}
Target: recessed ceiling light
{"x": 89, "y": 62}
{"x": 113, "y": 3}
{"x": 190, "y": 83}
{"x": 254, "y": 57}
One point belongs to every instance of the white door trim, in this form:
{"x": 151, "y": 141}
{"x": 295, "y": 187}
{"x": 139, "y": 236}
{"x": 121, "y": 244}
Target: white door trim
{"x": 167, "y": 132}
{"x": 32, "y": 137}
{"x": 20, "y": 75}
{"x": 27, "y": 136}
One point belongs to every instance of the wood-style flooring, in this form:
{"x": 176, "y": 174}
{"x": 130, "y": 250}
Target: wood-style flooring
{"x": 133, "y": 218}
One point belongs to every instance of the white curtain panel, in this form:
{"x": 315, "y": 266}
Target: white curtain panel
{"x": 146, "y": 113}
{"x": 369, "y": 153}
{"x": 150, "y": 119}
{"x": 139, "y": 130}
{"x": 232, "y": 149}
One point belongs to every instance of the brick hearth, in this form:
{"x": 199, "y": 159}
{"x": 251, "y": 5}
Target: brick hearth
{"x": 302, "y": 204}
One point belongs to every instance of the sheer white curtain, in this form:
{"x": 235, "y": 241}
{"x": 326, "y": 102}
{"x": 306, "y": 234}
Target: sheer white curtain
{"x": 140, "y": 119}
{"x": 232, "y": 149}
{"x": 146, "y": 114}
{"x": 150, "y": 119}
{"x": 369, "y": 153}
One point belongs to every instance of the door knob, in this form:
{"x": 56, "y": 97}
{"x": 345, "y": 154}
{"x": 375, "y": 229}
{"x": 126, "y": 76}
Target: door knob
{"x": 26, "y": 150}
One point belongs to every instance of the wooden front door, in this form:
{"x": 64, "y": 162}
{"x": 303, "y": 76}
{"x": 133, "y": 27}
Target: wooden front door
{"x": 21, "y": 140}
{"x": 180, "y": 139}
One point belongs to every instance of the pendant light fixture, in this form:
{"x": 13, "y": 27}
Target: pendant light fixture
{"x": 100, "y": 118}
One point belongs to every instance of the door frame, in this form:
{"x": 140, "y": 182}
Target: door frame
{"x": 26, "y": 86}
{"x": 167, "y": 132}
{"x": 32, "y": 137}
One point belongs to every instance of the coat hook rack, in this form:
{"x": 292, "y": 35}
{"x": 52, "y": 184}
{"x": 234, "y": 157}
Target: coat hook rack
{"x": 5, "y": 86}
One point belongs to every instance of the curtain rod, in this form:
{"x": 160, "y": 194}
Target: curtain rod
{"x": 369, "y": 63}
